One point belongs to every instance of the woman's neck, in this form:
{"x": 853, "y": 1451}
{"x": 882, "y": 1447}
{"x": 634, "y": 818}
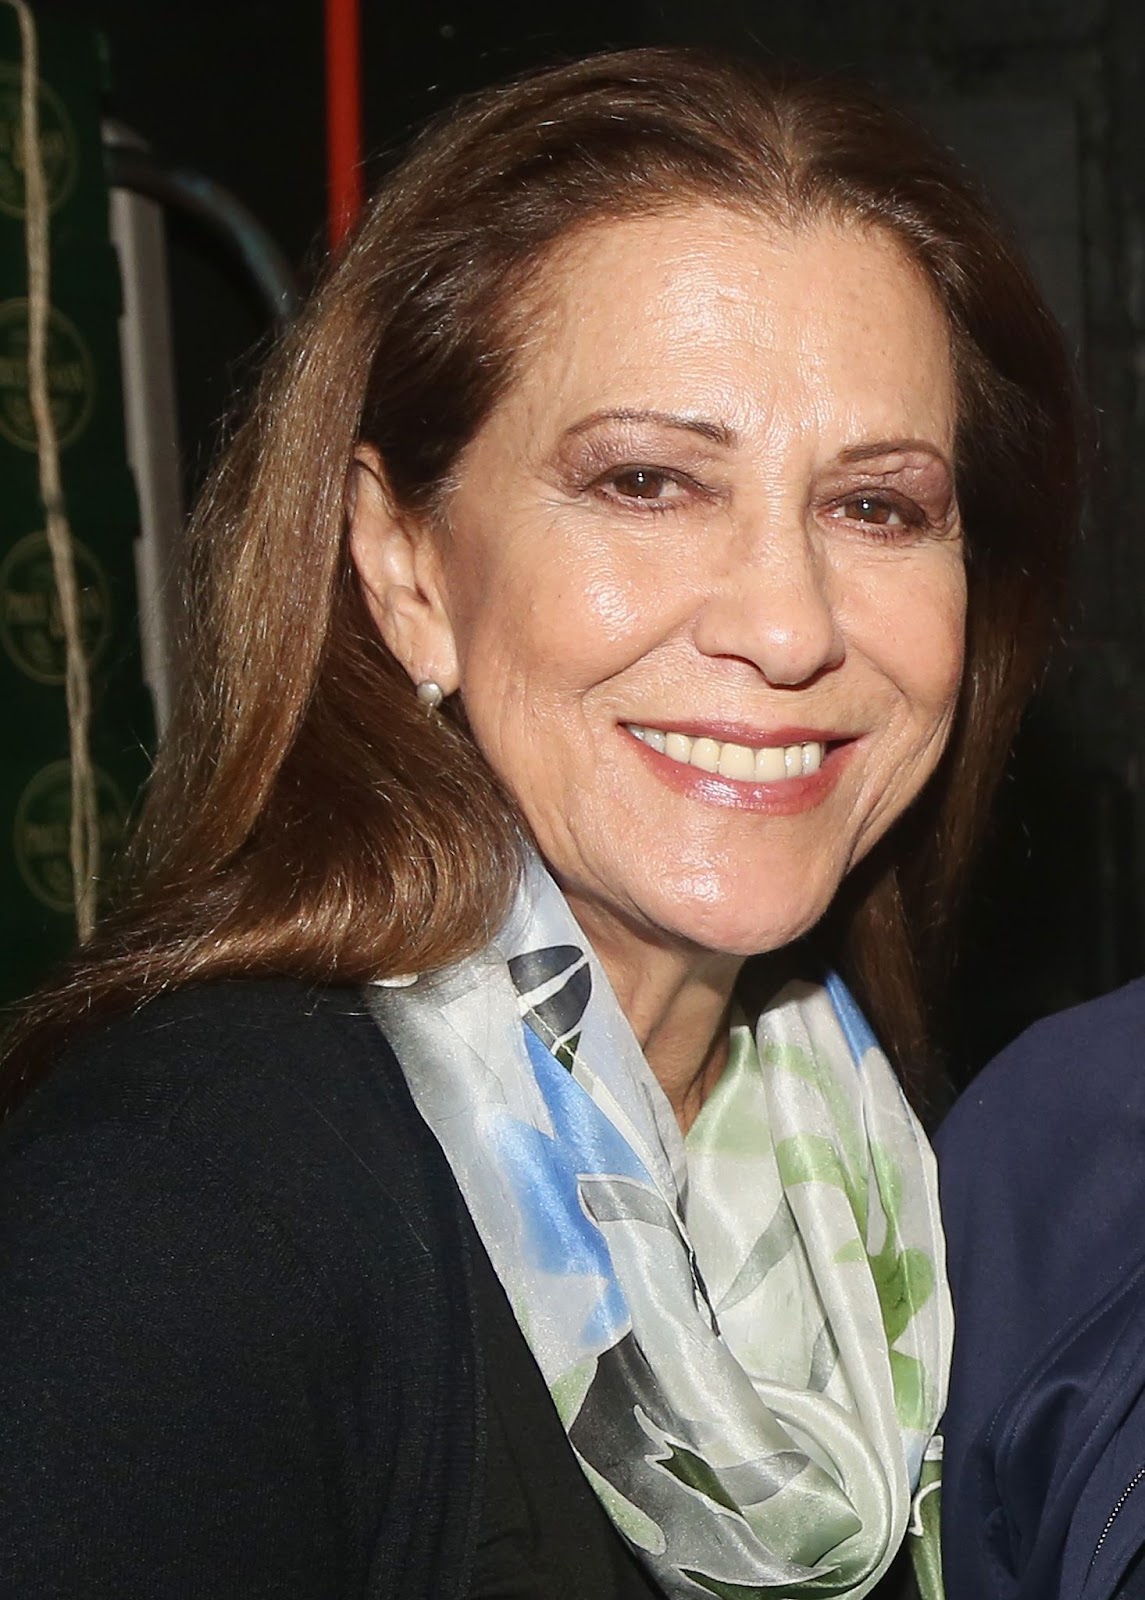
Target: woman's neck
{"x": 676, "y": 999}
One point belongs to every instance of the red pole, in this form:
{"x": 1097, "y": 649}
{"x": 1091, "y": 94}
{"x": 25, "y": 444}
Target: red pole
{"x": 343, "y": 115}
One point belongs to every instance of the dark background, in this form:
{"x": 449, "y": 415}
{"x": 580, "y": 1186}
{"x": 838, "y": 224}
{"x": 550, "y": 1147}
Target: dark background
{"x": 1043, "y": 99}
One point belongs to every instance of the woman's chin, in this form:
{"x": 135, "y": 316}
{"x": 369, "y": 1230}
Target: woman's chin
{"x": 723, "y": 918}
{"x": 741, "y": 938}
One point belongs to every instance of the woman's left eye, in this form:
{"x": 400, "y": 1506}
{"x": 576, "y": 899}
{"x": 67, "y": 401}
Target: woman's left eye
{"x": 878, "y": 512}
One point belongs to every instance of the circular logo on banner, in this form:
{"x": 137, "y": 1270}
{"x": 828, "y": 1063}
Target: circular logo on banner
{"x": 41, "y": 834}
{"x": 31, "y": 627}
{"x": 71, "y": 377}
{"x": 57, "y": 143}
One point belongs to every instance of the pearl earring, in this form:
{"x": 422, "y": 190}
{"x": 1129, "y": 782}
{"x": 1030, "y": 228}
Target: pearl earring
{"x": 430, "y": 694}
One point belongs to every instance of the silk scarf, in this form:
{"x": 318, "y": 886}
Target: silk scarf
{"x": 746, "y": 1333}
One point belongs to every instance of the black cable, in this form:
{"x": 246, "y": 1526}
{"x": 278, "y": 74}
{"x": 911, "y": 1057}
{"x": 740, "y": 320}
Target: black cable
{"x": 195, "y": 195}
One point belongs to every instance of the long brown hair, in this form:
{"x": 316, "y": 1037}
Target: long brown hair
{"x": 305, "y": 816}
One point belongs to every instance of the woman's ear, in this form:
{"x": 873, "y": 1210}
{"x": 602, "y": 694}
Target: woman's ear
{"x": 399, "y": 564}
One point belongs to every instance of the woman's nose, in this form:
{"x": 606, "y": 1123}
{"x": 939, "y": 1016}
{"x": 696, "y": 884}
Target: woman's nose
{"x": 775, "y": 607}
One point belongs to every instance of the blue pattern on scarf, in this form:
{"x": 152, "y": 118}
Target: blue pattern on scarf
{"x": 856, "y": 1028}
{"x": 544, "y": 1171}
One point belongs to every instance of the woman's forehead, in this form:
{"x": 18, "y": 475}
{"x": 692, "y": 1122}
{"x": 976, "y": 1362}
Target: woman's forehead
{"x": 739, "y": 322}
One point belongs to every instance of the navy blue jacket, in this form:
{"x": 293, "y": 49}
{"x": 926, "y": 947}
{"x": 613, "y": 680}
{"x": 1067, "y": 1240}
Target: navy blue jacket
{"x": 1043, "y": 1189}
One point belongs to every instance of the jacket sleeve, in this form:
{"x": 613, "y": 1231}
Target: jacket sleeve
{"x": 172, "y": 1415}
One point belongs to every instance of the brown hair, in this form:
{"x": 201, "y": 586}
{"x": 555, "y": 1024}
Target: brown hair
{"x": 305, "y": 816}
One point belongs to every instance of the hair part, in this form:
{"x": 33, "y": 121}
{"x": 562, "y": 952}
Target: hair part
{"x": 305, "y": 816}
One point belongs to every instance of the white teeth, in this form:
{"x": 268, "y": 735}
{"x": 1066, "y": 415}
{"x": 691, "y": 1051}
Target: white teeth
{"x": 737, "y": 761}
{"x": 705, "y": 755}
{"x": 771, "y": 764}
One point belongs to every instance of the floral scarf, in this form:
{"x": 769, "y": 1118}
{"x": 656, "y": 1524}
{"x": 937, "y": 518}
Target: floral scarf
{"x": 745, "y": 1332}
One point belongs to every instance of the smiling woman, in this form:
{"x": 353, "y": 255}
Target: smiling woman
{"x": 753, "y": 551}
{"x": 614, "y": 617}
{"x": 737, "y": 554}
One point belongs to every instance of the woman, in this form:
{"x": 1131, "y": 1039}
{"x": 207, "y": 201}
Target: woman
{"x": 1042, "y": 1183}
{"x": 676, "y": 464}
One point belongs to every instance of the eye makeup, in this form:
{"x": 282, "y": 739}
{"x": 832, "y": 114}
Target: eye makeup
{"x": 898, "y": 493}
{"x": 644, "y": 465}
{"x": 650, "y": 462}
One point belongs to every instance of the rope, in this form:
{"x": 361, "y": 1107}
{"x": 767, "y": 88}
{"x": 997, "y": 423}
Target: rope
{"x": 84, "y": 837}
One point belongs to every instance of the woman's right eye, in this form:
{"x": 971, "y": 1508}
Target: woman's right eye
{"x": 653, "y": 488}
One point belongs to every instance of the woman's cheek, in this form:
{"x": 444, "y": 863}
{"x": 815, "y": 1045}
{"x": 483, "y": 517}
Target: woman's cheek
{"x": 921, "y": 621}
{"x": 948, "y": 632}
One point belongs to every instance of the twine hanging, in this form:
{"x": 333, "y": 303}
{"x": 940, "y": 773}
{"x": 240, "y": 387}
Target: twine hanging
{"x": 84, "y": 833}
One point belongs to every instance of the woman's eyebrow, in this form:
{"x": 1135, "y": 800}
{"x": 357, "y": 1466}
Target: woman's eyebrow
{"x": 893, "y": 447}
{"x": 716, "y": 432}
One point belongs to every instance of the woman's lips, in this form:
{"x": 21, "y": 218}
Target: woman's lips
{"x": 781, "y": 771}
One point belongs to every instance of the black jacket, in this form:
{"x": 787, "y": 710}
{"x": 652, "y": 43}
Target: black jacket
{"x": 1042, "y": 1166}
{"x": 234, "y": 1358}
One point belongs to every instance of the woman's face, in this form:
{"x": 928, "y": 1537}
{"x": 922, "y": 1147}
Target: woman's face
{"x": 702, "y": 588}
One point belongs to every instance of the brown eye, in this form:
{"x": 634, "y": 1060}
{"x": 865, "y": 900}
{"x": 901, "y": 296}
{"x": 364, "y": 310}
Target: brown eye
{"x": 640, "y": 483}
{"x": 865, "y": 508}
